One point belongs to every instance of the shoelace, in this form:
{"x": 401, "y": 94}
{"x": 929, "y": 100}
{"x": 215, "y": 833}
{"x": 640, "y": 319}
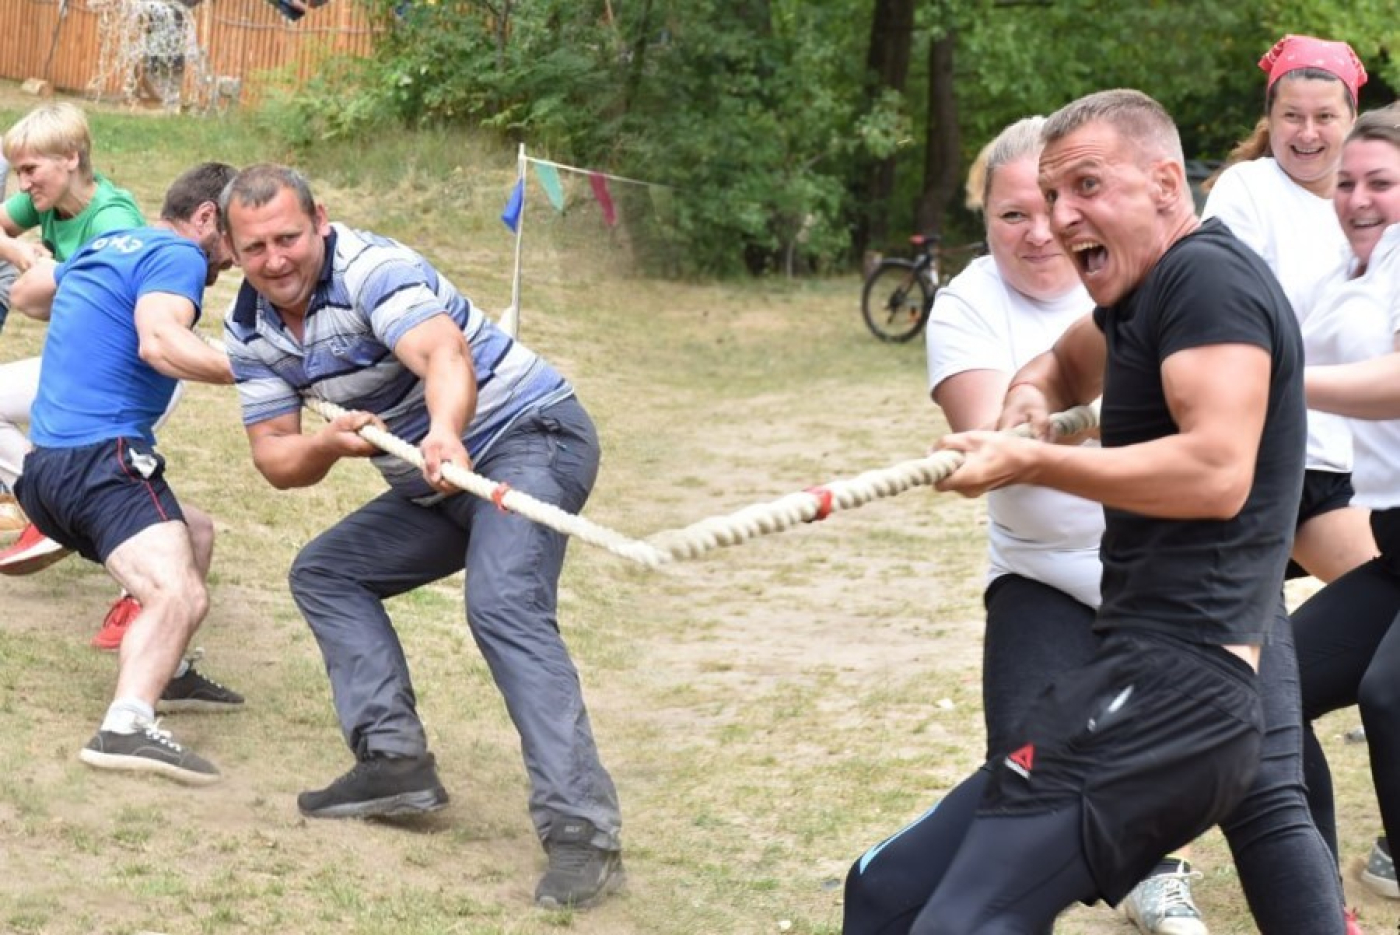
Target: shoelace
{"x": 193, "y": 656}
{"x": 152, "y": 731}
{"x": 1173, "y": 891}
{"x": 360, "y": 768}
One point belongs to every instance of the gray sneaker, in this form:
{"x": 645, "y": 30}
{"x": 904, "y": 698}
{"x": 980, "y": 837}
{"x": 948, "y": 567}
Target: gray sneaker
{"x": 1161, "y": 904}
{"x": 379, "y": 787}
{"x": 580, "y": 874}
{"x": 1379, "y": 875}
{"x": 195, "y": 692}
{"x": 148, "y": 749}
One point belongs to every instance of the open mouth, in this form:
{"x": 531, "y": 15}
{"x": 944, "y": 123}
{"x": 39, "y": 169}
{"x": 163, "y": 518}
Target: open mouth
{"x": 1090, "y": 256}
{"x": 1307, "y": 153}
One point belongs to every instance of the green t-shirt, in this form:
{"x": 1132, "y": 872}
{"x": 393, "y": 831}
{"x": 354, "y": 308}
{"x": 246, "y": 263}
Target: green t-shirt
{"x": 111, "y": 209}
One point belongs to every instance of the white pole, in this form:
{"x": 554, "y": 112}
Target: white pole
{"x": 510, "y": 319}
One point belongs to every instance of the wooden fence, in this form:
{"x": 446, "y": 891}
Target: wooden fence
{"x": 238, "y": 47}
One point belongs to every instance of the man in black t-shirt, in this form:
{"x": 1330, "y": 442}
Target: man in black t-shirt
{"x": 1188, "y": 713}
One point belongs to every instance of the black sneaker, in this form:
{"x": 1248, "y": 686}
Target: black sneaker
{"x": 148, "y": 750}
{"x": 580, "y": 874}
{"x": 195, "y": 692}
{"x": 380, "y": 787}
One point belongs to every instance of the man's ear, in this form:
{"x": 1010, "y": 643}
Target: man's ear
{"x": 206, "y": 214}
{"x": 1168, "y": 181}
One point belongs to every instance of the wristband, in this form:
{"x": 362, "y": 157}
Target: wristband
{"x": 1024, "y": 383}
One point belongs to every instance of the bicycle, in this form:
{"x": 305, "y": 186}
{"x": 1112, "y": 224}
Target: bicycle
{"x": 898, "y": 294}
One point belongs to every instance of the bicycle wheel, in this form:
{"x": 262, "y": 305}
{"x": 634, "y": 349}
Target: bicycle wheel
{"x": 895, "y": 301}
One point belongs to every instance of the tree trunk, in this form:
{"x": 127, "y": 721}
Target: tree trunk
{"x": 943, "y": 144}
{"x": 887, "y": 68}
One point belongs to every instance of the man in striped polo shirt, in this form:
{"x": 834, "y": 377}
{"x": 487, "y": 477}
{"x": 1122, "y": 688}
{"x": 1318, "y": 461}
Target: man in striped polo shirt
{"x": 368, "y": 324}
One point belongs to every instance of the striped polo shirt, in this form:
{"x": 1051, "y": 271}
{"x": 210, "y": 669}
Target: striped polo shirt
{"x": 373, "y": 290}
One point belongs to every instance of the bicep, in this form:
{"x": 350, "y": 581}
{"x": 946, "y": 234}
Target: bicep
{"x": 158, "y": 308}
{"x": 1220, "y": 394}
{"x": 269, "y": 430}
{"x": 418, "y": 344}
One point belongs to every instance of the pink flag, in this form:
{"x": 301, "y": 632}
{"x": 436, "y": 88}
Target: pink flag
{"x": 600, "y": 191}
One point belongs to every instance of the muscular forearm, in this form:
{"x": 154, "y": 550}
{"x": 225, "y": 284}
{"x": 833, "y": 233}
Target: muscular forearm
{"x": 1071, "y": 372}
{"x": 32, "y": 293}
{"x": 1176, "y": 477}
{"x": 180, "y": 353}
{"x": 451, "y": 400}
{"x": 289, "y": 461}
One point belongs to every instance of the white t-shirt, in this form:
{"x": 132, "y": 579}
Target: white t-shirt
{"x": 1356, "y": 319}
{"x": 980, "y": 323}
{"x": 1299, "y": 237}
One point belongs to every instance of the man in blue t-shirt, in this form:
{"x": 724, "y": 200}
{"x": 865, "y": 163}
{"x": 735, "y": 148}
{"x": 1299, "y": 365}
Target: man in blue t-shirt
{"x": 120, "y": 314}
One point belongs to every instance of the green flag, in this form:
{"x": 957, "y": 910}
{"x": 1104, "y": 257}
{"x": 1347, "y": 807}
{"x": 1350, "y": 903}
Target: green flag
{"x": 549, "y": 181}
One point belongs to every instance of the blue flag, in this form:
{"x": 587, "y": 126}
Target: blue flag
{"x": 516, "y": 204}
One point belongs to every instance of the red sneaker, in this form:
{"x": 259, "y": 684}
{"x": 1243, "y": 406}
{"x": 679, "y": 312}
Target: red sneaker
{"x": 1352, "y": 927}
{"x": 116, "y": 623}
{"x": 31, "y": 552}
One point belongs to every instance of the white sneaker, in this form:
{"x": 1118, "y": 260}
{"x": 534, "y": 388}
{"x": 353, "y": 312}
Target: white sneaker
{"x": 1161, "y": 904}
{"x": 12, "y": 518}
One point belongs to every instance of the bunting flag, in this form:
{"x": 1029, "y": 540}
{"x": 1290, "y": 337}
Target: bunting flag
{"x": 514, "y": 207}
{"x": 600, "y": 191}
{"x": 549, "y": 181}
{"x": 662, "y": 202}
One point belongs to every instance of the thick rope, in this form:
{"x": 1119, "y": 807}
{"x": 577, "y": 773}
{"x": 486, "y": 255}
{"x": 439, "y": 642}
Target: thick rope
{"x": 716, "y": 531}
{"x": 506, "y": 498}
{"x": 818, "y": 502}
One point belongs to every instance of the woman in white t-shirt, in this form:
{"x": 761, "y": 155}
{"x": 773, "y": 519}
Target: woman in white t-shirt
{"x": 1276, "y": 196}
{"x": 1347, "y": 637}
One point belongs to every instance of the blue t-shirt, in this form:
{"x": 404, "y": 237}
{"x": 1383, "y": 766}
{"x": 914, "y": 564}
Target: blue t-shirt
{"x": 93, "y": 384}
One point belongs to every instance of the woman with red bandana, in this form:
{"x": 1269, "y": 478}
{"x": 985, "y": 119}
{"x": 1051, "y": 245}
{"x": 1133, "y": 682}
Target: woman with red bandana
{"x": 1276, "y": 196}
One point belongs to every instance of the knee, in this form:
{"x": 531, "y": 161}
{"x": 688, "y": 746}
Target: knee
{"x": 869, "y": 906}
{"x": 309, "y": 569}
{"x": 201, "y": 530}
{"x": 1378, "y": 696}
{"x": 182, "y": 602}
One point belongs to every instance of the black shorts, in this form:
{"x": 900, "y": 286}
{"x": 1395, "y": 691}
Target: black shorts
{"x": 93, "y": 498}
{"x": 1323, "y": 492}
{"x": 1157, "y": 739}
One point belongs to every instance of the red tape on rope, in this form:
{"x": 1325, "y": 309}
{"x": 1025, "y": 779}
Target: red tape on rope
{"x": 823, "y": 496}
{"x": 498, "y": 496}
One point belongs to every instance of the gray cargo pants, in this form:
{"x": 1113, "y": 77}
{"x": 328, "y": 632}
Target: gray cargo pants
{"x": 391, "y": 546}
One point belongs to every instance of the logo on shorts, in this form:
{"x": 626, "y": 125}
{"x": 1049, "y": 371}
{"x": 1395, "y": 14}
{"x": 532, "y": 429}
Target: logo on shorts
{"x": 144, "y": 464}
{"x": 1022, "y": 761}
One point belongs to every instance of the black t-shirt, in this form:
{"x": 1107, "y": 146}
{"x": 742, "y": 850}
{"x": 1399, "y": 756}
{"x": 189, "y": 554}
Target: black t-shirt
{"x": 1208, "y": 581}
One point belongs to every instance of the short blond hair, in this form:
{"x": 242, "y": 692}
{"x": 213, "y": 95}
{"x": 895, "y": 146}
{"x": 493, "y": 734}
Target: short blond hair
{"x": 52, "y": 130}
{"x": 1020, "y": 140}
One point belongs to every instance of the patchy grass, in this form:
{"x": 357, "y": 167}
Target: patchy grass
{"x": 767, "y": 711}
